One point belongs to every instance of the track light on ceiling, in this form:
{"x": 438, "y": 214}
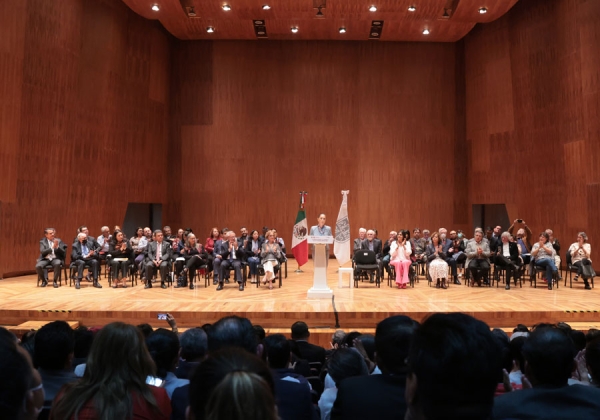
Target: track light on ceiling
{"x": 294, "y": 30}
{"x": 266, "y": 7}
{"x": 210, "y": 29}
{"x": 372, "y": 9}
{"x": 226, "y": 7}
{"x": 155, "y": 7}
{"x": 342, "y": 30}
{"x": 411, "y": 8}
{"x": 425, "y": 31}
{"x": 482, "y": 10}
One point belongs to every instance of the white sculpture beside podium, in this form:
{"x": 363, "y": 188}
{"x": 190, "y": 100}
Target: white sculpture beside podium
{"x": 320, "y": 290}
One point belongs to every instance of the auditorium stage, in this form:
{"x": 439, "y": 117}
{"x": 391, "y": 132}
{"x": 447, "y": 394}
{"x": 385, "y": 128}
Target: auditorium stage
{"x": 276, "y": 310}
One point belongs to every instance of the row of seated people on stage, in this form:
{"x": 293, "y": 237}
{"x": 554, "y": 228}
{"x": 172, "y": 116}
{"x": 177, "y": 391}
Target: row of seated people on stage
{"x": 448, "y": 366}
{"x": 443, "y": 251}
{"x": 149, "y": 252}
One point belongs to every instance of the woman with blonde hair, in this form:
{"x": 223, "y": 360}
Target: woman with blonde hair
{"x": 114, "y": 383}
{"x": 270, "y": 256}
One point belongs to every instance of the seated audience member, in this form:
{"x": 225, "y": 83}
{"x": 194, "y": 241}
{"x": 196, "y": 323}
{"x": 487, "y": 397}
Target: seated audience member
{"x": 478, "y": 262}
{"x": 21, "y": 392}
{"x": 103, "y": 242}
{"x": 243, "y": 239}
{"x": 549, "y": 360}
{"x": 362, "y": 233}
{"x": 556, "y": 245}
{"x": 209, "y": 245}
{"x": 492, "y": 239}
{"x": 580, "y": 255}
{"x": 253, "y": 249}
{"x": 145, "y": 329}
{"x": 516, "y": 373}
{"x": 379, "y": 396}
{"x": 344, "y": 363}
{"x": 114, "y": 384}
{"x": 507, "y": 256}
{"x": 372, "y": 244}
{"x": 148, "y": 234}
{"x": 163, "y": 346}
{"x": 232, "y": 255}
{"x": 193, "y": 256}
{"x": 122, "y": 256}
{"x": 436, "y": 258}
{"x": 83, "y": 254}
{"x": 270, "y": 256}
{"x": 310, "y": 352}
{"x": 448, "y": 249}
{"x": 54, "y": 347}
{"x": 194, "y": 347}
{"x": 589, "y": 363}
{"x": 158, "y": 256}
{"x": 523, "y": 239}
{"x": 168, "y": 234}
{"x": 292, "y": 391}
{"x": 221, "y": 247}
{"x": 232, "y": 384}
{"x": 84, "y": 337}
{"x": 337, "y": 339}
{"x": 262, "y": 237}
{"x": 457, "y": 251}
{"x": 53, "y": 252}
{"x": 281, "y": 243}
{"x": 138, "y": 244}
{"x": 385, "y": 260}
{"x": 453, "y": 367}
{"x": 543, "y": 255}
{"x": 418, "y": 245}
{"x": 400, "y": 252}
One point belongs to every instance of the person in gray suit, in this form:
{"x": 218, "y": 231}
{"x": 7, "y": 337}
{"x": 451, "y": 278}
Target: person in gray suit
{"x": 52, "y": 253}
{"x": 321, "y": 229}
{"x": 478, "y": 257}
{"x": 158, "y": 256}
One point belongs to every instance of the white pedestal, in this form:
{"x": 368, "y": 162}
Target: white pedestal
{"x": 341, "y": 272}
{"x": 320, "y": 290}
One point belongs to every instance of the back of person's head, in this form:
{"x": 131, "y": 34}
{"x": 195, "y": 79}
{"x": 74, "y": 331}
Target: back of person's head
{"x": 592, "y": 334}
{"x": 54, "y": 345}
{"x": 232, "y": 331}
{"x": 392, "y": 341}
{"x": 564, "y": 326}
{"x": 232, "y": 384}
{"x": 349, "y": 339}
{"x": 278, "y": 351}
{"x": 117, "y": 367}
{"x": 578, "y": 338}
{"x": 345, "y": 363}
{"x": 592, "y": 359}
{"x": 163, "y": 346}
{"x": 516, "y": 351}
{"x": 300, "y": 331}
{"x": 83, "y": 342}
{"x": 549, "y": 355}
{"x": 337, "y": 338}
{"x": 16, "y": 378}
{"x": 146, "y": 329}
{"x": 368, "y": 342}
{"x": 505, "y": 359}
{"x": 194, "y": 344}
{"x": 260, "y": 333}
{"x": 453, "y": 368}
{"x": 28, "y": 343}
{"x": 521, "y": 328}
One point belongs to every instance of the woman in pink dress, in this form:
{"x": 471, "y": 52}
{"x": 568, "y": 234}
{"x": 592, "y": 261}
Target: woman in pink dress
{"x": 400, "y": 252}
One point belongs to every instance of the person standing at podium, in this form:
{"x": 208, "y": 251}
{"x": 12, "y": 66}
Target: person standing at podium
{"x": 321, "y": 229}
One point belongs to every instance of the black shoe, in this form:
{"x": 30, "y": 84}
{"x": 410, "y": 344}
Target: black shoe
{"x": 588, "y": 287}
{"x": 550, "y": 286}
{"x": 457, "y": 281}
{"x": 148, "y": 285}
{"x": 220, "y": 286}
{"x": 241, "y": 287}
{"x": 44, "y": 283}
{"x": 227, "y": 281}
{"x": 191, "y": 286}
{"x": 163, "y": 285}
{"x": 55, "y": 284}
{"x": 88, "y": 278}
{"x": 76, "y": 284}
{"x": 507, "y": 286}
{"x": 97, "y": 285}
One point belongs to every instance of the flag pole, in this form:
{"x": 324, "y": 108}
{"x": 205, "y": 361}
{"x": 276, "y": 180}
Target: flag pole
{"x": 302, "y": 198}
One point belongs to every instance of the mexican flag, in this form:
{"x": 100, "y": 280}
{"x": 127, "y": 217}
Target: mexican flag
{"x": 299, "y": 242}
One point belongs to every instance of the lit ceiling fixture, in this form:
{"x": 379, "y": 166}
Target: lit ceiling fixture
{"x": 155, "y": 7}
{"x": 482, "y": 10}
{"x": 342, "y": 30}
{"x": 294, "y": 29}
{"x": 266, "y": 7}
{"x": 226, "y": 7}
{"x": 372, "y": 9}
{"x": 411, "y": 8}
{"x": 425, "y": 31}
{"x": 210, "y": 29}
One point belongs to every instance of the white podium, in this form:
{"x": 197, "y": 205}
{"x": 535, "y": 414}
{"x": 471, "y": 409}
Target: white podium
{"x": 320, "y": 290}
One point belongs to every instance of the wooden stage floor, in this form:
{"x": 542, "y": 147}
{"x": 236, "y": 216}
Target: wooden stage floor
{"x": 357, "y": 308}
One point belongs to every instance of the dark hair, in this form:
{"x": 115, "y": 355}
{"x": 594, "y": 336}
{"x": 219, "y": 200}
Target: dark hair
{"x": 521, "y": 328}
{"x": 592, "y": 359}
{"x": 349, "y": 338}
{"x": 549, "y": 353}
{"x": 578, "y": 338}
{"x": 564, "y": 326}
{"x": 368, "y": 342}
{"x": 345, "y": 363}
{"x": 137, "y": 230}
{"x": 232, "y": 331}
{"x": 252, "y": 234}
{"x": 28, "y": 343}
{"x": 260, "y": 332}
{"x": 163, "y": 346}
{"x": 300, "y": 331}
{"x": 211, "y": 233}
{"x": 212, "y": 381}
{"x": 505, "y": 358}
{"x": 515, "y": 347}
{"x": 545, "y": 235}
{"x": 278, "y": 351}
{"x": 146, "y": 329}
{"x": 405, "y": 233}
{"x": 206, "y": 327}
{"x": 592, "y": 334}
{"x": 455, "y": 359}
{"x": 54, "y": 342}
{"x": 16, "y": 378}
{"x": 392, "y": 342}
{"x": 83, "y": 342}
{"x": 194, "y": 344}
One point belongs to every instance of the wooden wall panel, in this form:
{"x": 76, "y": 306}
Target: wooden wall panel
{"x": 262, "y": 121}
{"x": 92, "y": 87}
{"x": 532, "y": 94}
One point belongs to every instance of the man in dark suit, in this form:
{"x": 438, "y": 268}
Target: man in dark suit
{"x": 453, "y": 369}
{"x": 371, "y": 243}
{"x": 507, "y": 255}
{"x": 379, "y": 396}
{"x": 232, "y": 255}
{"x": 549, "y": 360}
{"x": 220, "y": 248}
{"x": 53, "y": 252}
{"x": 310, "y": 352}
{"x": 84, "y": 254}
{"x": 448, "y": 250}
{"x": 158, "y": 255}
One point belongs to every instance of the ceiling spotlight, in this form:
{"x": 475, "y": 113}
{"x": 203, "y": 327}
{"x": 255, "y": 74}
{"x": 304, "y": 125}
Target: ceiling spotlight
{"x": 155, "y": 7}
{"x": 210, "y": 29}
{"x": 411, "y": 8}
{"x": 482, "y": 10}
{"x": 294, "y": 30}
{"x": 226, "y": 7}
{"x": 342, "y": 30}
{"x": 372, "y": 9}
{"x": 266, "y": 7}
{"x": 425, "y": 31}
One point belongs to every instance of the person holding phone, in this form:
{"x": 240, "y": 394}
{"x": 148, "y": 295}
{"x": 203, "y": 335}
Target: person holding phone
{"x": 523, "y": 239}
{"x": 53, "y": 252}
